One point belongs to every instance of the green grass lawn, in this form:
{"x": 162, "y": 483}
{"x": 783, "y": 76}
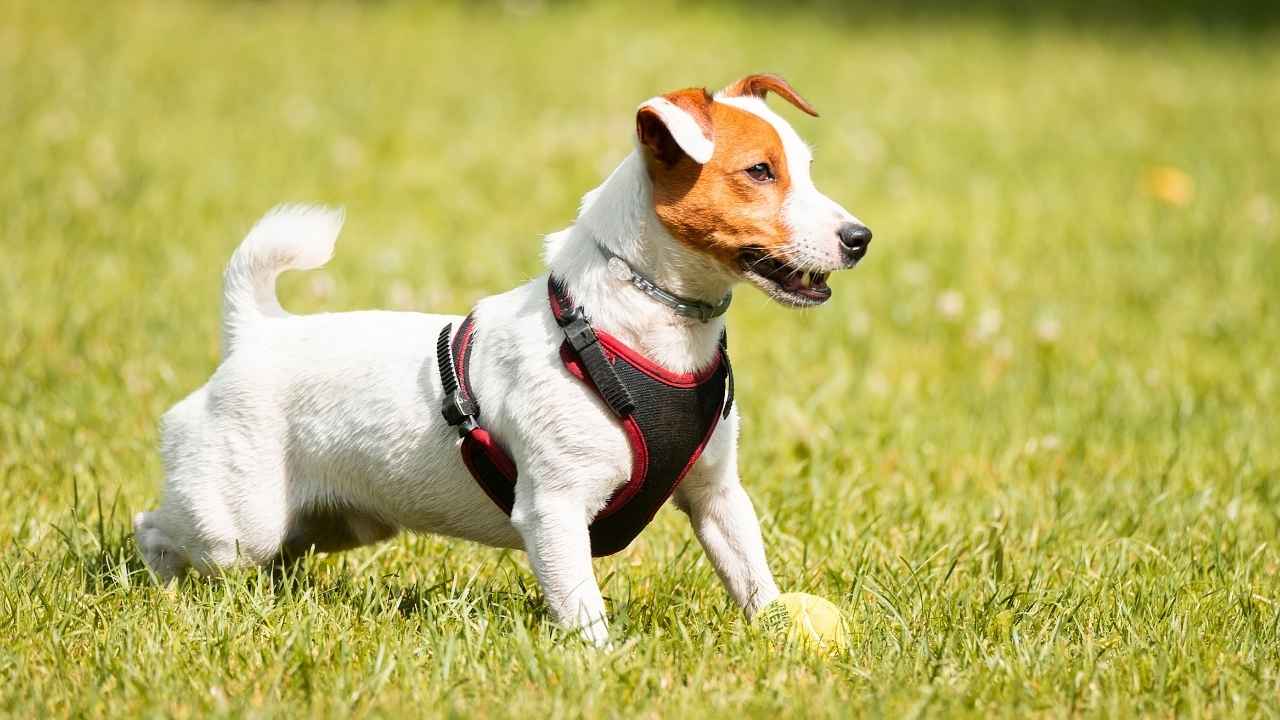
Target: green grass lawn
{"x": 1030, "y": 447}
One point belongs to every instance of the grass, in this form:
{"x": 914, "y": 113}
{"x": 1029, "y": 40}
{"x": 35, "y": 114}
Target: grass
{"x": 1029, "y": 447}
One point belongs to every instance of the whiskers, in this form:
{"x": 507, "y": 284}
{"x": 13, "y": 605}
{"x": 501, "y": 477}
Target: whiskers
{"x": 765, "y": 256}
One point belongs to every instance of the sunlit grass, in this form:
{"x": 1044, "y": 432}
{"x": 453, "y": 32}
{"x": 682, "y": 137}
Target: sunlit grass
{"x": 1030, "y": 445}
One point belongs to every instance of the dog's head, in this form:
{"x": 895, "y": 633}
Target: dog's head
{"x": 731, "y": 179}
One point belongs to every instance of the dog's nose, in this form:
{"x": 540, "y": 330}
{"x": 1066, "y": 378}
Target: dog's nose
{"x": 854, "y": 241}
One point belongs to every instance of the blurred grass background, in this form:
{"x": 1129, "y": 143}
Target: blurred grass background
{"x": 1029, "y": 446}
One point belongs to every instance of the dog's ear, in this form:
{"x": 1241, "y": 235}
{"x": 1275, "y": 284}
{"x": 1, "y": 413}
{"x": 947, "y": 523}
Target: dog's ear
{"x": 677, "y": 125}
{"x": 762, "y": 84}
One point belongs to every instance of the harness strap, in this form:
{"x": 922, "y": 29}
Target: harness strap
{"x": 484, "y": 457}
{"x": 582, "y": 338}
{"x": 577, "y": 330}
{"x": 459, "y": 409}
{"x": 728, "y": 369}
{"x": 444, "y": 360}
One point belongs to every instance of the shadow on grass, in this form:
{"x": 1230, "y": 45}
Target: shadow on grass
{"x": 481, "y": 601}
{"x": 100, "y": 549}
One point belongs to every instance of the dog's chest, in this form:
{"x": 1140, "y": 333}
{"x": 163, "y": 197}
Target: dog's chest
{"x": 667, "y": 418}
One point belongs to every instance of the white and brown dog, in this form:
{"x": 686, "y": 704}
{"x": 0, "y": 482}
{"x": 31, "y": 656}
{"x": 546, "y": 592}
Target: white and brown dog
{"x": 325, "y": 431}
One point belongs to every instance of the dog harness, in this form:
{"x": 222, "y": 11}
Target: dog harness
{"x": 668, "y": 417}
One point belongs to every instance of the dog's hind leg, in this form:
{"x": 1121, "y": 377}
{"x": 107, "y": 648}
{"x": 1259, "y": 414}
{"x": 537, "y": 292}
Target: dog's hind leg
{"x": 225, "y": 497}
{"x": 203, "y": 531}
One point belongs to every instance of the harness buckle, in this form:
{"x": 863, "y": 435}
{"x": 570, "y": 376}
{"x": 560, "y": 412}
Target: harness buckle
{"x": 460, "y": 412}
{"x": 578, "y": 330}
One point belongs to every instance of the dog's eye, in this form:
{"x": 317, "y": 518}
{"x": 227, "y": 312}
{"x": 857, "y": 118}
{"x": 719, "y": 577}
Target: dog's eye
{"x": 760, "y": 172}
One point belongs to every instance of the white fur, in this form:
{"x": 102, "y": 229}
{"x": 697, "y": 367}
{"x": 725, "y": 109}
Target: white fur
{"x": 325, "y": 430}
{"x": 288, "y": 238}
{"x": 684, "y": 129}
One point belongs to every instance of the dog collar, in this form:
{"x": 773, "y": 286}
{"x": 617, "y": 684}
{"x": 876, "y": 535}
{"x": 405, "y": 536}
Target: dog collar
{"x": 683, "y": 306}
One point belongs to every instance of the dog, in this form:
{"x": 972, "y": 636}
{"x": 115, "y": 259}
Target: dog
{"x": 325, "y": 432}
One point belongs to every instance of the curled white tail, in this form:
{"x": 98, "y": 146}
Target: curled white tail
{"x": 290, "y": 237}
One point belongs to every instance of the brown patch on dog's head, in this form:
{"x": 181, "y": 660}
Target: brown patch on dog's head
{"x": 718, "y": 207}
{"x": 733, "y": 200}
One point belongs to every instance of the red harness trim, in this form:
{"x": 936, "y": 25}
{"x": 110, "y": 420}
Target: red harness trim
{"x": 635, "y": 438}
{"x": 654, "y": 370}
{"x": 479, "y": 442}
{"x": 639, "y": 360}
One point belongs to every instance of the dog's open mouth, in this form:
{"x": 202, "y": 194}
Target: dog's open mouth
{"x": 784, "y": 282}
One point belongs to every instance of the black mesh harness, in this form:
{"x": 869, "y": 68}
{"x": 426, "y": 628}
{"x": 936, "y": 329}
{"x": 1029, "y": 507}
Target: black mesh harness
{"x": 668, "y": 417}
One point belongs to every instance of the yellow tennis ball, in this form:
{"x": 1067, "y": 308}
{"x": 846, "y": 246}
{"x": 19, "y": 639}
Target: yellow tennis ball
{"x": 808, "y": 619}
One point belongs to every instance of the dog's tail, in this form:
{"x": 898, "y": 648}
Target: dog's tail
{"x": 290, "y": 237}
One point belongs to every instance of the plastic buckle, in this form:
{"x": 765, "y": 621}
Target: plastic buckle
{"x": 572, "y": 316}
{"x": 460, "y": 412}
{"x": 578, "y": 331}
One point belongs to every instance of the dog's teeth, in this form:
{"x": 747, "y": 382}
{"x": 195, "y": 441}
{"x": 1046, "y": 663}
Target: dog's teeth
{"x": 804, "y": 279}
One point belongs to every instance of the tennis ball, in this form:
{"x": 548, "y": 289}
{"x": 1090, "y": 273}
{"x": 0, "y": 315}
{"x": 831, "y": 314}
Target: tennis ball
{"x": 808, "y": 619}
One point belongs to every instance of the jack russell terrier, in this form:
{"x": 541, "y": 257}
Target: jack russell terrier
{"x": 603, "y": 386}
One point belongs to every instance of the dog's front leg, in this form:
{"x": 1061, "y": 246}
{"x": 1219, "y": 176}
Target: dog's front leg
{"x": 725, "y": 523}
{"x": 559, "y": 546}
